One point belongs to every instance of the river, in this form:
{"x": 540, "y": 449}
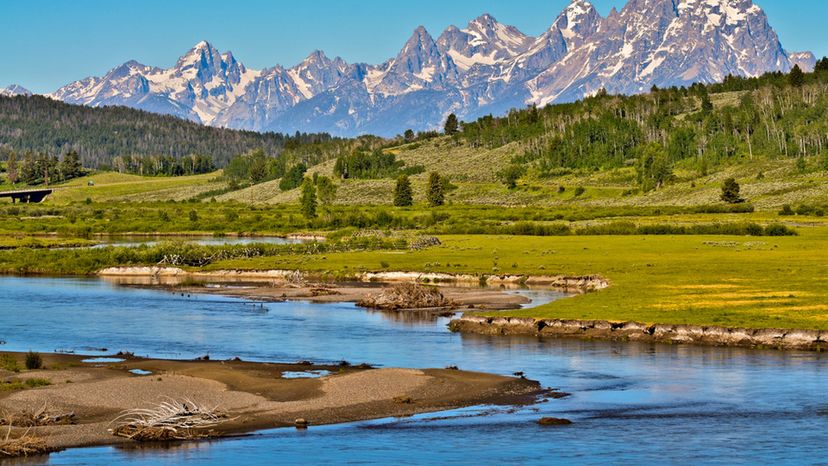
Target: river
{"x": 630, "y": 403}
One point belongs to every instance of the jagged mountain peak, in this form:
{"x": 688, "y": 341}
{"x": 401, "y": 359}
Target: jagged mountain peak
{"x": 13, "y": 90}
{"x": 483, "y": 42}
{"x": 420, "y": 40}
{"x": 317, "y": 56}
{"x": 483, "y": 23}
{"x": 578, "y": 21}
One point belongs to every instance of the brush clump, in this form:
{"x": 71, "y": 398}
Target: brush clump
{"x": 406, "y": 296}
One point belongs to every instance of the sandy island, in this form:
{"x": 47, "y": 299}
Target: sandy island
{"x": 251, "y": 395}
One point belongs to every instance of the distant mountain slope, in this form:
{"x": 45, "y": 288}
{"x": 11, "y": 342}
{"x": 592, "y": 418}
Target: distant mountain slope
{"x": 14, "y": 90}
{"x": 482, "y": 68}
{"x": 99, "y": 134}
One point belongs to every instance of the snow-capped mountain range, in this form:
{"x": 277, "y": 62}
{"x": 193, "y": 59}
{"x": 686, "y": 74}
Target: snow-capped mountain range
{"x": 486, "y": 67}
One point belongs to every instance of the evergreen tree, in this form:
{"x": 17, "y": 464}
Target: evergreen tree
{"x": 796, "y": 78}
{"x": 821, "y": 65}
{"x": 308, "y": 199}
{"x": 403, "y": 196}
{"x": 326, "y": 190}
{"x": 706, "y": 103}
{"x": 730, "y": 191}
{"x": 71, "y": 166}
{"x": 435, "y": 194}
{"x": 409, "y": 135}
{"x": 452, "y": 125}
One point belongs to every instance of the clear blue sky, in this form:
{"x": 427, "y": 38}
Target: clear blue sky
{"x": 45, "y": 44}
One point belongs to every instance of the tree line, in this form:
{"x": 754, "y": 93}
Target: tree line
{"x": 34, "y": 169}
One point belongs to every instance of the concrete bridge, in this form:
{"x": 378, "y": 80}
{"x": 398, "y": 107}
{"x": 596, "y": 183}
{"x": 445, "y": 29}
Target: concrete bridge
{"x": 27, "y": 195}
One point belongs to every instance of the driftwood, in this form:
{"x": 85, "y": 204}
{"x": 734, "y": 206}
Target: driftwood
{"x": 37, "y": 418}
{"x": 170, "y": 420}
{"x": 406, "y": 296}
{"x": 24, "y": 445}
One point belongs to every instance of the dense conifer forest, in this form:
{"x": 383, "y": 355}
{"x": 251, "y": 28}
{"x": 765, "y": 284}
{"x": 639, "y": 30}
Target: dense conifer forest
{"x": 143, "y": 142}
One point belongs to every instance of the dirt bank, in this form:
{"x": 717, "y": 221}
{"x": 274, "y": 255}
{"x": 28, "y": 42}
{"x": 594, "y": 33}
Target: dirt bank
{"x": 174, "y": 274}
{"x": 251, "y": 395}
{"x": 810, "y": 340}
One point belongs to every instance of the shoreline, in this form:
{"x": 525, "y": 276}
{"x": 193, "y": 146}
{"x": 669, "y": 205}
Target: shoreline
{"x": 768, "y": 338}
{"x": 250, "y": 395}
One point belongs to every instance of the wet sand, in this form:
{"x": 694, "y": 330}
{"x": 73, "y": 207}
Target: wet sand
{"x": 253, "y": 395}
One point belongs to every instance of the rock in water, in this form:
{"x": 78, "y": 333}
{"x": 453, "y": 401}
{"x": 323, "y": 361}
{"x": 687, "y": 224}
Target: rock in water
{"x": 554, "y": 421}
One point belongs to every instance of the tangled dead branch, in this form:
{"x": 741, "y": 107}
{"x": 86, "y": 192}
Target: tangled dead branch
{"x": 406, "y": 296}
{"x": 37, "y": 418}
{"x": 24, "y": 445}
{"x": 170, "y": 420}
{"x": 424, "y": 242}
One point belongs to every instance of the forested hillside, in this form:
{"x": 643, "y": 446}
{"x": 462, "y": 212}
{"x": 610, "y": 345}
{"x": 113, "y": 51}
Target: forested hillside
{"x": 774, "y": 116}
{"x": 99, "y": 135}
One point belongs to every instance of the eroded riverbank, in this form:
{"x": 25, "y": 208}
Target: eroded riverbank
{"x": 784, "y": 339}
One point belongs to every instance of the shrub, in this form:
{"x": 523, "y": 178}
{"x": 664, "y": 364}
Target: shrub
{"x": 786, "y": 210}
{"x": 754, "y": 229}
{"x": 33, "y": 360}
{"x": 777, "y": 229}
{"x": 804, "y": 210}
{"x": 723, "y": 209}
{"x": 510, "y": 175}
{"x": 614, "y": 228}
{"x": 8, "y": 363}
{"x": 536, "y": 229}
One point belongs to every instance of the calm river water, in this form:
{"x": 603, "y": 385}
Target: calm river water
{"x": 631, "y": 403}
